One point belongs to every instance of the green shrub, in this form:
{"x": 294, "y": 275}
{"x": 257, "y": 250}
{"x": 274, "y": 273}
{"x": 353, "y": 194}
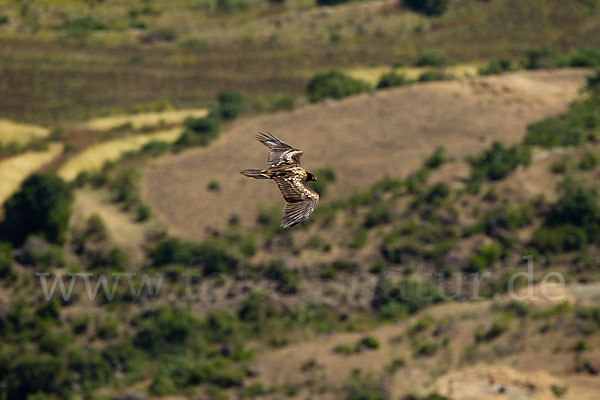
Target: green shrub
{"x": 588, "y": 161}
{"x": 559, "y": 239}
{"x": 432, "y": 75}
{"x": 497, "y": 66}
{"x": 519, "y": 217}
{"x": 518, "y": 308}
{"x": 256, "y": 308}
{"x": 44, "y": 256}
{"x": 80, "y": 324}
{"x": 414, "y": 295}
{"x": 427, "y": 7}
{"x": 41, "y": 206}
{"x": 335, "y": 85}
{"x": 162, "y": 385}
{"x": 436, "y": 159}
{"x": 575, "y": 127}
{"x": 426, "y": 349}
{"x": 435, "y": 396}
{"x": 289, "y": 280}
{"x": 155, "y": 148}
{"x": 248, "y": 246}
{"x": 360, "y": 238}
{"x": 433, "y": 58}
{"x": 395, "y": 365}
{"x": 498, "y": 161}
{"x": 254, "y": 390}
{"x": 6, "y": 260}
{"x": 594, "y": 82}
{"x": 359, "y": 388}
{"x": 585, "y": 57}
{"x": 124, "y": 186}
{"x": 331, "y": 2}
{"x": 560, "y": 166}
{"x": 572, "y": 222}
{"x": 214, "y": 256}
{"x": 437, "y": 192}
{"x": 109, "y": 328}
{"x": 230, "y": 104}
{"x": 4, "y": 20}
{"x": 484, "y": 257}
{"x": 199, "y": 131}
{"x": 578, "y": 206}
{"x": 166, "y": 330}
{"x": 143, "y": 212}
{"x": 392, "y": 79}
{"x": 231, "y": 5}
{"x": 34, "y": 373}
{"x": 501, "y": 323}
{"x": 82, "y": 27}
{"x": 381, "y": 212}
{"x": 369, "y": 342}
{"x": 540, "y": 58}
{"x": 559, "y": 391}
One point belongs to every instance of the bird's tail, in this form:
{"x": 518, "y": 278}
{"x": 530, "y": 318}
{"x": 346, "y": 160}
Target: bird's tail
{"x": 255, "y": 173}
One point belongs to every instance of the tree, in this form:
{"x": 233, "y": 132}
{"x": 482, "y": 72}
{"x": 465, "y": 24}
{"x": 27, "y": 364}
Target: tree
{"x": 230, "y": 104}
{"x": 42, "y": 206}
{"x": 335, "y": 85}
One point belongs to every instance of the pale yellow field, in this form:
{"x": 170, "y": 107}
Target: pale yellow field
{"x": 145, "y": 119}
{"x": 14, "y": 170}
{"x": 94, "y": 157}
{"x": 373, "y": 74}
{"x": 15, "y": 132}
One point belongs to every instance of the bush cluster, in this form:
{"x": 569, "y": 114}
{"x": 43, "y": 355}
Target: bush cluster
{"x": 396, "y": 299}
{"x": 577, "y": 126}
{"x": 573, "y": 222}
{"x": 211, "y": 255}
{"x": 334, "y": 85}
{"x": 498, "y": 161}
{"x": 392, "y": 79}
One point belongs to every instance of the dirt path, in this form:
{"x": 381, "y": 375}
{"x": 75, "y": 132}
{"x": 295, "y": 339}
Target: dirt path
{"x": 363, "y": 138}
{"x": 122, "y": 229}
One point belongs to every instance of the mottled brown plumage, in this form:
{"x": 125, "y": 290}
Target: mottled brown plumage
{"x": 286, "y": 171}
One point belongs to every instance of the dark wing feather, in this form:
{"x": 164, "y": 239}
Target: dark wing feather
{"x": 300, "y": 200}
{"x": 294, "y": 213}
{"x": 281, "y": 153}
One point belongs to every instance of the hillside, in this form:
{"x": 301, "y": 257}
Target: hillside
{"x": 363, "y": 139}
{"x": 455, "y": 251}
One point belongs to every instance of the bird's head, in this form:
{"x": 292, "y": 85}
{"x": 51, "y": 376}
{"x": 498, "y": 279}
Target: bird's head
{"x": 310, "y": 177}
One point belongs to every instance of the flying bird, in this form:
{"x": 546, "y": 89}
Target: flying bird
{"x": 285, "y": 169}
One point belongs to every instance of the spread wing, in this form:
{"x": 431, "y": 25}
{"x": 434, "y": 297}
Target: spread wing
{"x": 281, "y": 153}
{"x": 300, "y": 200}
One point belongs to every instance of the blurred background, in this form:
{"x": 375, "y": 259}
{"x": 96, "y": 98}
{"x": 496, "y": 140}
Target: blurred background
{"x": 451, "y": 139}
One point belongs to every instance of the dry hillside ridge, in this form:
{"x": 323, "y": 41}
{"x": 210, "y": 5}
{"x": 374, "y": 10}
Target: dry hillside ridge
{"x": 363, "y": 138}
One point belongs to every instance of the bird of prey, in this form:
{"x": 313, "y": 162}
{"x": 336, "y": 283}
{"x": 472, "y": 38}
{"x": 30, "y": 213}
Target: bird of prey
{"x": 285, "y": 169}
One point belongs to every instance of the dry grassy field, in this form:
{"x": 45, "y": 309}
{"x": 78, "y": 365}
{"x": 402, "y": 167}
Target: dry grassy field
{"x": 14, "y": 132}
{"x": 16, "y": 169}
{"x": 362, "y": 138}
{"x": 147, "y": 119}
{"x": 95, "y": 156}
